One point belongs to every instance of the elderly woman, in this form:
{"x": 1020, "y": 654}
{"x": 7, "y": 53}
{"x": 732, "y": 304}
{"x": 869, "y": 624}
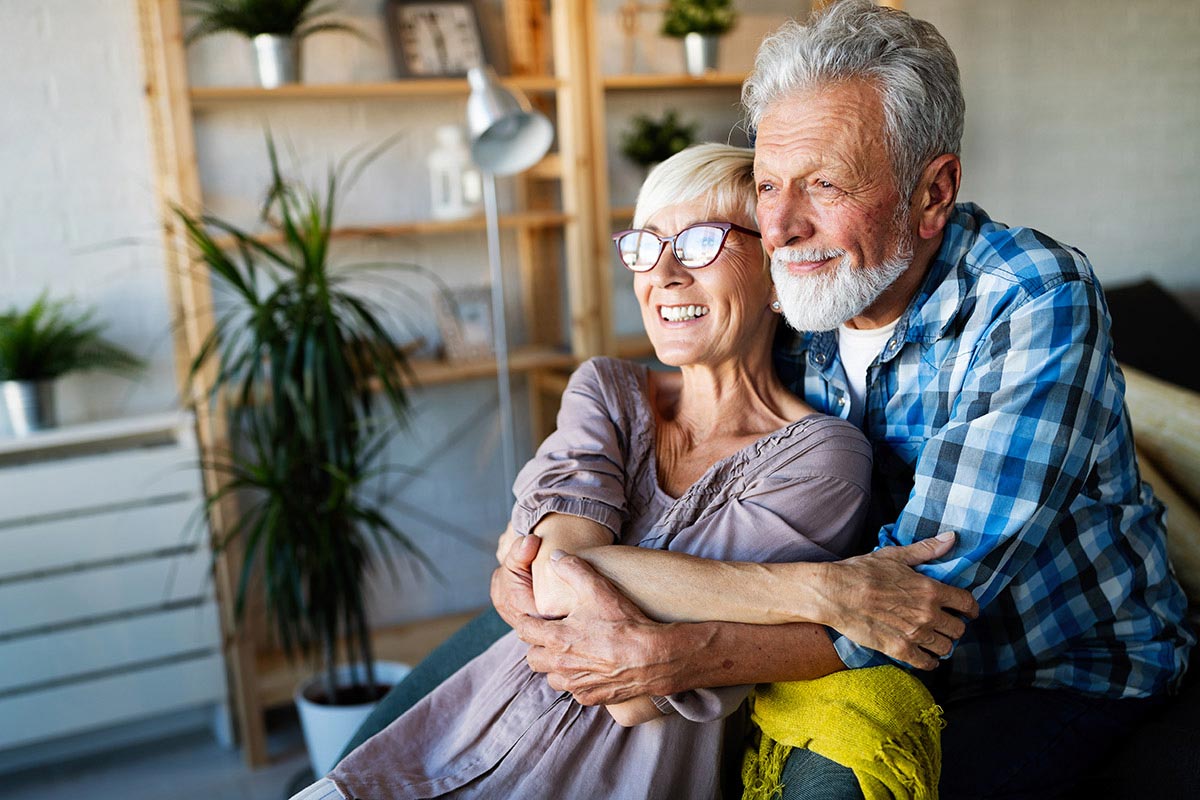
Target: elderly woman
{"x": 717, "y": 460}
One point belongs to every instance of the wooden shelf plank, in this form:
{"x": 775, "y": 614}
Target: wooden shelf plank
{"x": 524, "y": 220}
{"x": 409, "y": 643}
{"x": 714, "y": 80}
{"x": 520, "y": 359}
{"x": 437, "y": 87}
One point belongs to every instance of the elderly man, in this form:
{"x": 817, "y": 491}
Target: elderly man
{"x": 977, "y": 359}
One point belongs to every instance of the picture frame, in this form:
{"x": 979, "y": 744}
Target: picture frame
{"x": 434, "y": 38}
{"x": 465, "y": 321}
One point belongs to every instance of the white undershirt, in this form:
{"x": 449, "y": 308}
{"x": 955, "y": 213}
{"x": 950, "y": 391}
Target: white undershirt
{"x": 857, "y": 349}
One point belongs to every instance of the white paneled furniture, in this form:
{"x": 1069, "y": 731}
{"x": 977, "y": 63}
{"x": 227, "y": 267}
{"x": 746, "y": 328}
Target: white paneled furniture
{"x": 107, "y": 610}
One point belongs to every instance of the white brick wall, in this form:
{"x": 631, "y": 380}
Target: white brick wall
{"x": 76, "y": 188}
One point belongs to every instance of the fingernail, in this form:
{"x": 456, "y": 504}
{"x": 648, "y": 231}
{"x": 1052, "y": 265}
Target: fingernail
{"x": 556, "y": 555}
{"x": 945, "y": 536}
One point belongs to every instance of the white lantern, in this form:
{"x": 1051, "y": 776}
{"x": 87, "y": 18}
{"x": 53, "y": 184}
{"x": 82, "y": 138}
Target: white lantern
{"x": 454, "y": 180}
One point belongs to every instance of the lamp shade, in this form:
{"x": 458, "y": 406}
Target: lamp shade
{"x": 507, "y": 136}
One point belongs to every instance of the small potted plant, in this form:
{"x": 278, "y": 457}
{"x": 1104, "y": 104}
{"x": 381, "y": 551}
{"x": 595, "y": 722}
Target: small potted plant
{"x": 700, "y": 23}
{"x": 317, "y": 388}
{"x": 42, "y": 343}
{"x": 650, "y": 141}
{"x": 275, "y": 27}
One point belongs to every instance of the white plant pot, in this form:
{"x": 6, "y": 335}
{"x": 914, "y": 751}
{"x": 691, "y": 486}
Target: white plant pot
{"x": 328, "y": 729}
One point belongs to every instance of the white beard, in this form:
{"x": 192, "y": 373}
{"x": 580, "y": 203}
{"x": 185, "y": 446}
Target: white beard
{"x": 824, "y": 301}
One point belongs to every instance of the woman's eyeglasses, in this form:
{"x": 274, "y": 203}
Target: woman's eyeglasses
{"x": 695, "y": 246}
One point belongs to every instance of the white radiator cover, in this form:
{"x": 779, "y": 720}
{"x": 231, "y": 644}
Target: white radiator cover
{"x": 107, "y": 610}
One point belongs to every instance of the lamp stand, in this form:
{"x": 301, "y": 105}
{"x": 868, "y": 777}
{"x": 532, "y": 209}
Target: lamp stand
{"x": 499, "y": 333}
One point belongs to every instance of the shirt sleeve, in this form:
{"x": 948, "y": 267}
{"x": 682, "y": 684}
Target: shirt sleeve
{"x": 580, "y": 468}
{"x": 1023, "y": 434}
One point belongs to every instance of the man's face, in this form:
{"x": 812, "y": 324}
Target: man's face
{"x": 832, "y": 220}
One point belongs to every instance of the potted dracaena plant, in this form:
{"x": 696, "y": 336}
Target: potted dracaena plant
{"x": 276, "y": 28}
{"x": 316, "y": 387}
{"x": 700, "y": 24}
{"x": 40, "y": 344}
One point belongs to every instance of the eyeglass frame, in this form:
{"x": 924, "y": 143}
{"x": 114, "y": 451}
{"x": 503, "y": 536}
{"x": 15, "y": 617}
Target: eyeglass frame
{"x": 663, "y": 241}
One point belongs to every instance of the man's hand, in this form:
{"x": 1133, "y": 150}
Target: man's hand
{"x": 512, "y": 581}
{"x": 606, "y": 651}
{"x": 879, "y": 601}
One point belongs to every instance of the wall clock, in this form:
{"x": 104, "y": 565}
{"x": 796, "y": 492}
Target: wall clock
{"x": 434, "y": 38}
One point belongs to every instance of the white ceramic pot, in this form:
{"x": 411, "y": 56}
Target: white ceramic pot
{"x": 327, "y": 729}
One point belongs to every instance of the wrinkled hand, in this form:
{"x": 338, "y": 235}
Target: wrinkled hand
{"x": 512, "y": 581}
{"x": 879, "y": 601}
{"x": 606, "y": 650}
{"x": 505, "y": 543}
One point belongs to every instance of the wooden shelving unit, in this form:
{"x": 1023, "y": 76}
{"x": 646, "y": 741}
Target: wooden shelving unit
{"x": 552, "y": 60}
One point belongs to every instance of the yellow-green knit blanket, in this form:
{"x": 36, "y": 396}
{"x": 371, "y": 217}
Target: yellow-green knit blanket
{"x": 880, "y": 722}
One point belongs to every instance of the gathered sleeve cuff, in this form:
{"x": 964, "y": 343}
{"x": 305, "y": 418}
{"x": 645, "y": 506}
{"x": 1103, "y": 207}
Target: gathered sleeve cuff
{"x": 580, "y": 468}
{"x": 703, "y": 705}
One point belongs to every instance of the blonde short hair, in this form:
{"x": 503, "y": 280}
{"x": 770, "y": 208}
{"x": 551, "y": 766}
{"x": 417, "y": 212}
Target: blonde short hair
{"x": 720, "y": 174}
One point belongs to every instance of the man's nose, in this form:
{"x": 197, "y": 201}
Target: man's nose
{"x": 786, "y": 221}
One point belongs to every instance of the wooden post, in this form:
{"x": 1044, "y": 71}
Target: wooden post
{"x": 178, "y": 186}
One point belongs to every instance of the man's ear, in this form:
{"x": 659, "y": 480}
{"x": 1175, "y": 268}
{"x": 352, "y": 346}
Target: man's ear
{"x": 933, "y": 201}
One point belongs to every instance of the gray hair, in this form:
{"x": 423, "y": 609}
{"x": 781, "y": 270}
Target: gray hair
{"x": 720, "y": 174}
{"x": 906, "y": 59}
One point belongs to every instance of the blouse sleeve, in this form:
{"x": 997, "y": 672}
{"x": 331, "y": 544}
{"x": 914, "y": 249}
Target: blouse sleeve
{"x": 703, "y": 705}
{"x": 580, "y": 468}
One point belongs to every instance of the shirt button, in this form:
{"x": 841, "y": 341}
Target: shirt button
{"x": 819, "y": 358}
{"x": 841, "y": 401}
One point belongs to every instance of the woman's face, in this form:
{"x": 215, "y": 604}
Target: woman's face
{"x": 711, "y": 314}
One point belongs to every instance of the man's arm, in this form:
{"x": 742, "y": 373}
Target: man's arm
{"x": 607, "y": 650}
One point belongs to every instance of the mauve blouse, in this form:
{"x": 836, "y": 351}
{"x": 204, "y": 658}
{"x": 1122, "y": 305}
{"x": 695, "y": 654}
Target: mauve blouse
{"x": 496, "y": 729}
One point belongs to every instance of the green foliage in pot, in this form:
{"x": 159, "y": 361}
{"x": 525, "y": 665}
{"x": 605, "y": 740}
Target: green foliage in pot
{"x": 649, "y": 141}
{"x": 298, "y": 18}
{"x": 50, "y": 338}
{"x": 317, "y": 387}
{"x": 711, "y": 17}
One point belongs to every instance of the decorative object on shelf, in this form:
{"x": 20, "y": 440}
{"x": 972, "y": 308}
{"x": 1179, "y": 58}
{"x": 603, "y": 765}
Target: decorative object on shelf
{"x": 455, "y": 184}
{"x": 40, "y": 344}
{"x": 507, "y": 137}
{"x": 275, "y": 27}
{"x": 434, "y": 38}
{"x": 650, "y": 140}
{"x": 700, "y": 23}
{"x": 317, "y": 388}
{"x": 465, "y": 321}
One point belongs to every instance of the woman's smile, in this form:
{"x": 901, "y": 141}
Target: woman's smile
{"x": 681, "y": 313}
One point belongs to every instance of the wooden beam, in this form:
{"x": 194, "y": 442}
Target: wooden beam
{"x": 160, "y": 29}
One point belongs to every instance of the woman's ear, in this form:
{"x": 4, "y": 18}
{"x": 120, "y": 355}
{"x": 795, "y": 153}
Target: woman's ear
{"x": 933, "y": 201}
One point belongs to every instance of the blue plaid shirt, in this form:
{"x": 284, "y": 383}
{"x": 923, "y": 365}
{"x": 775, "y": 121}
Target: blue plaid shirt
{"x": 997, "y": 410}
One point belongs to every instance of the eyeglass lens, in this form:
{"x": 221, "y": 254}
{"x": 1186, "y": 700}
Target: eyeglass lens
{"x": 695, "y": 247}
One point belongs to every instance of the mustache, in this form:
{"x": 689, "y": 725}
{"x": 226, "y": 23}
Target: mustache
{"x": 791, "y": 255}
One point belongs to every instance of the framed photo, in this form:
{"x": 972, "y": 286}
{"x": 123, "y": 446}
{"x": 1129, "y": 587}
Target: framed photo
{"x": 434, "y": 38}
{"x": 465, "y": 322}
